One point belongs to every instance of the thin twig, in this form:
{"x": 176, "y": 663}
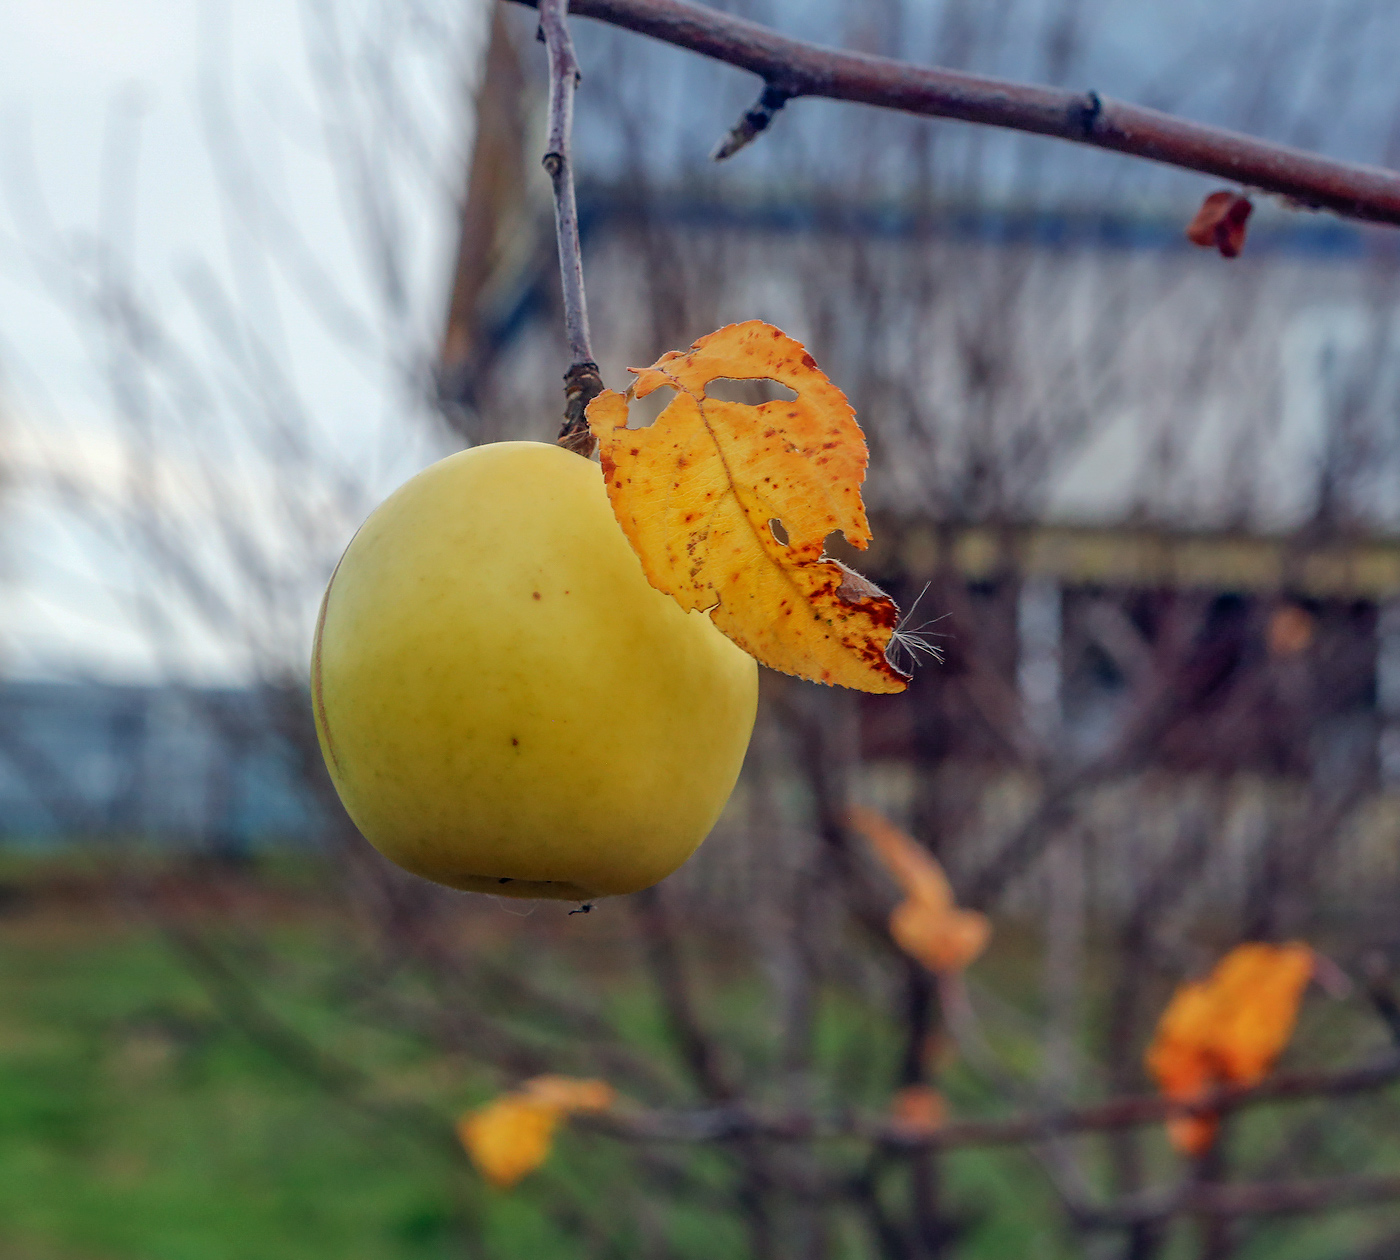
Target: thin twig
{"x": 702, "y": 1057}
{"x": 239, "y": 1004}
{"x": 1346, "y": 188}
{"x": 724, "y": 1123}
{"x": 1269, "y": 1198}
{"x": 1382, "y": 996}
{"x": 661, "y": 953}
{"x": 581, "y": 382}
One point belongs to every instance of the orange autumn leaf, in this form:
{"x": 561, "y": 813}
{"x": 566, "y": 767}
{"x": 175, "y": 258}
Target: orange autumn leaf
{"x": 918, "y": 1110}
{"x": 513, "y": 1135}
{"x": 1227, "y": 1029}
{"x": 508, "y": 1138}
{"x": 697, "y": 492}
{"x": 927, "y": 925}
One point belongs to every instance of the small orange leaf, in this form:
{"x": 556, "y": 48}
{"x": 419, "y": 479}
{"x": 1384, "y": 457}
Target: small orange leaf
{"x": 943, "y": 938}
{"x": 927, "y": 925}
{"x": 697, "y": 492}
{"x": 1227, "y": 1029}
{"x": 1220, "y": 223}
{"x": 512, "y": 1136}
{"x": 919, "y": 1110}
{"x": 508, "y": 1138}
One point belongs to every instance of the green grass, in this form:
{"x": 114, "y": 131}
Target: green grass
{"x": 137, "y": 1124}
{"x": 133, "y": 1123}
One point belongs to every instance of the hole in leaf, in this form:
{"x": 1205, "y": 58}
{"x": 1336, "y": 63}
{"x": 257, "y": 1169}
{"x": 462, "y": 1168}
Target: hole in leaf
{"x": 778, "y": 531}
{"x": 642, "y": 412}
{"x": 753, "y": 392}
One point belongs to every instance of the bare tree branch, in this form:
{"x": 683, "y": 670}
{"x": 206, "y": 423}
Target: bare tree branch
{"x": 1269, "y": 1198}
{"x": 797, "y": 68}
{"x": 724, "y": 1123}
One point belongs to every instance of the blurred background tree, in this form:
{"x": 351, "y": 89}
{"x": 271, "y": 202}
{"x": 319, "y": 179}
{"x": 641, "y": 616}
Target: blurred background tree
{"x": 1143, "y": 497}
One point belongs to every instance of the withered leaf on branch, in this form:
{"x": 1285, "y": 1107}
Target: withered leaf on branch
{"x": 513, "y": 1135}
{"x": 1227, "y": 1029}
{"x": 1220, "y": 223}
{"x": 928, "y": 924}
{"x": 698, "y": 491}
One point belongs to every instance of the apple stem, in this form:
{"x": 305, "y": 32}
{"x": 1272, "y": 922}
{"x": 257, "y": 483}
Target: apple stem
{"x": 582, "y": 383}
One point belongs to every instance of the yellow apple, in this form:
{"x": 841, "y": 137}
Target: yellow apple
{"x": 504, "y": 703}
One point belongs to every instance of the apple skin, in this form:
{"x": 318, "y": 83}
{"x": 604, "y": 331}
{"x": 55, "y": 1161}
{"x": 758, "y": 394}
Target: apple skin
{"x": 505, "y": 704}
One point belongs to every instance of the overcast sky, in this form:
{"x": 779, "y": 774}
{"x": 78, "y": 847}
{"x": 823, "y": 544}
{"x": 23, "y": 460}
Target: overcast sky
{"x": 194, "y": 147}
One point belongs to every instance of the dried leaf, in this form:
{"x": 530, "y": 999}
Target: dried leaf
{"x": 1220, "y": 223}
{"x": 696, "y": 493}
{"x": 927, "y": 925}
{"x": 508, "y": 1138}
{"x": 919, "y": 1110}
{"x": 1227, "y": 1029}
{"x": 512, "y": 1136}
{"x": 942, "y": 938}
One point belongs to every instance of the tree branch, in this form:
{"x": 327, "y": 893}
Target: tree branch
{"x": 724, "y": 1123}
{"x": 239, "y": 1003}
{"x": 797, "y": 68}
{"x": 1266, "y": 1198}
{"x": 581, "y": 382}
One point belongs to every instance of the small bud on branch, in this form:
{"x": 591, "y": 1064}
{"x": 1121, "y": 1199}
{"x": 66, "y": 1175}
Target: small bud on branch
{"x": 752, "y": 124}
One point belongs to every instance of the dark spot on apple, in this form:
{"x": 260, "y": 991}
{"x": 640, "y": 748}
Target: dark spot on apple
{"x": 514, "y": 743}
{"x": 808, "y": 361}
{"x": 537, "y": 594}
{"x": 505, "y": 879}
